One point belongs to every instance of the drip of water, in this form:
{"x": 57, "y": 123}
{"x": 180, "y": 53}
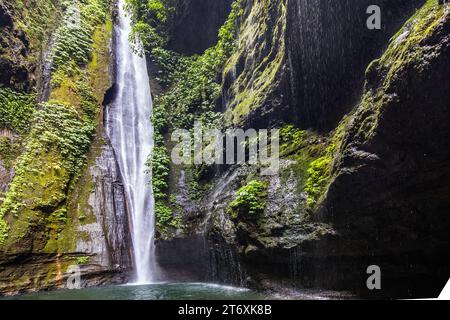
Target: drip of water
{"x": 130, "y": 130}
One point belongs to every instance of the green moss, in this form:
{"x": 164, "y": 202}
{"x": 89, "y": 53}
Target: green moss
{"x": 38, "y": 19}
{"x": 250, "y": 200}
{"x": 83, "y": 260}
{"x": 291, "y": 140}
{"x": 57, "y": 145}
{"x": 73, "y": 41}
{"x": 79, "y": 209}
{"x": 319, "y": 173}
{"x": 16, "y": 110}
{"x": 262, "y": 39}
{"x": 313, "y": 155}
{"x": 9, "y": 151}
{"x": 91, "y": 92}
{"x": 407, "y": 49}
{"x": 192, "y": 90}
{"x": 406, "y": 46}
{"x": 320, "y": 170}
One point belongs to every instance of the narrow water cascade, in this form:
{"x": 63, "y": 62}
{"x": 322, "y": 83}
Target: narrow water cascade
{"x": 130, "y": 130}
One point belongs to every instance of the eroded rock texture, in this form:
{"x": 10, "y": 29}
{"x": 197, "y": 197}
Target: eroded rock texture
{"x": 108, "y": 237}
{"x": 388, "y": 198}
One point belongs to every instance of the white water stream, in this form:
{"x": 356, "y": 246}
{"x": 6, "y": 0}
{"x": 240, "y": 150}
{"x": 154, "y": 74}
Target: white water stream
{"x": 130, "y": 130}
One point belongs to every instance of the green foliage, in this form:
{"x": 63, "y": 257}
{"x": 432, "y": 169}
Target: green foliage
{"x": 37, "y": 19}
{"x": 57, "y": 221}
{"x": 153, "y": 12}
{"x": 61, "y": 132}
{"x": 196, "y": 187}
{"x": 192, "y": 87}
{"x": 144, "y": 36}
{"x": 157, "y": 9}
{"x": 193, "y": 80}
{"x": 195, "y": 89}
{"x": 164, "y": 204}
{"x": 58, "y": 127}
{"x": 319, "y": 173}
{"x": 3, "y": 231}
{"x": 163, "y": 214}
{"x": 159, "y": 169}
{"x": 291, "y": 139}
{"x": 9, "y": 150}
{"x": 83, "y": 260}
{"x": 73, "y": 41}
{"x": 16, "y": 110}
{"x": 57, "y": 131}
{"x": 171, "y": 64}
{"x": 151, "y": 19}
{"x": 250, "y": 200}
{"x": 159, "y": 166}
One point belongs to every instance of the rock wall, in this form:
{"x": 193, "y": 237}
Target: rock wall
{"x": 303, "y": 61}
{"x": 69, "y": 220}
{"x": 195, "y": 24}
{"x": 391, "y": 173}
{"x": 328, "y": 50}
{"x": 25, "y": 31}
{"x": 368, "y": 189}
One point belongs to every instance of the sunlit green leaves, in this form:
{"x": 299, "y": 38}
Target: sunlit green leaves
{"x": 16, "y": 110}
{"x": 250, "y": 200}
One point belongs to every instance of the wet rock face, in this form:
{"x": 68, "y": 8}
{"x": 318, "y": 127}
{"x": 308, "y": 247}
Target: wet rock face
{"x": 102, "y": 249}
{"x": 389, "y": 198}
{"x": 387, "y": 201}
{"x": 196, "y": 23}
{"x": 328, "y": 49}
{"x": 5, "y": 16}
{"x": 6, "y": 176}
{"x": 108, "y": 237}
{"x": 303, "y": 62}
{"x": 200, "y": 258}
{"x": 14, "y": 49}
{"x": 24, "y": 273}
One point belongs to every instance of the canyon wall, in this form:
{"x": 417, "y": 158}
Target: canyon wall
{"x": 62, "y": 201}
{"x": 362, "y": 143}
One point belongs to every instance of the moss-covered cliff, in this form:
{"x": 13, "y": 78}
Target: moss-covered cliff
{"x": 345, "y": 170}
{"x": 51, "y": 213}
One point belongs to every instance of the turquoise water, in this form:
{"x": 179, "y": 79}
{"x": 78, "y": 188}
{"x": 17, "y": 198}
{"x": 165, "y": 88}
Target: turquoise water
{"x": 162, "y": 291}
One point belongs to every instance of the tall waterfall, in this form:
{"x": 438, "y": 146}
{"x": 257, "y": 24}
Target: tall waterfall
{"x": 130, "y": 130}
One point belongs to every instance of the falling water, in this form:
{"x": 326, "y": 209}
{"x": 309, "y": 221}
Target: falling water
{"x": 131, "y": 133}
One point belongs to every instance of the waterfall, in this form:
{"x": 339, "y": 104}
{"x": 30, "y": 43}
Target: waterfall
{"x": 130, "y": 130}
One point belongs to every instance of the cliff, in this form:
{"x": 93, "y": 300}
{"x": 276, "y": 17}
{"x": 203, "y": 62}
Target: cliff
{"x": 359, "y": 150}
{"x": 62, "y": 203}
